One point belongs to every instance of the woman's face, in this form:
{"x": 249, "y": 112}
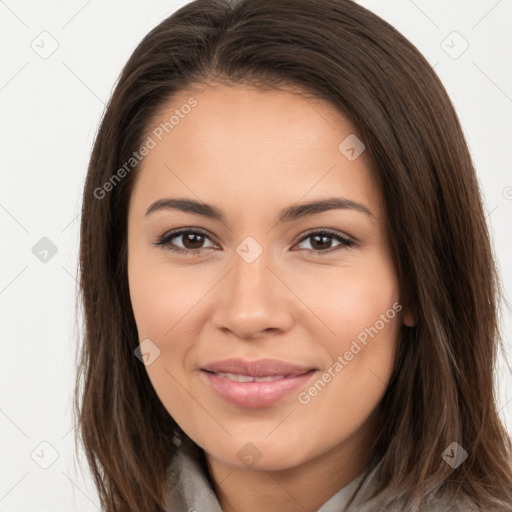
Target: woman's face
{"x": 259, "y": 284}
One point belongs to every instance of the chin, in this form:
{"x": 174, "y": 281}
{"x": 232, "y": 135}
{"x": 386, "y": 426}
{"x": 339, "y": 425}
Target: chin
{"x": 260, "y": 455}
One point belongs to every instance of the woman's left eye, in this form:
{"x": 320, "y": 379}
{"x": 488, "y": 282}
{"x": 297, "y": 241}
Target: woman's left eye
{"x": 192, "y": 239}
{"x": 322, "y": 237}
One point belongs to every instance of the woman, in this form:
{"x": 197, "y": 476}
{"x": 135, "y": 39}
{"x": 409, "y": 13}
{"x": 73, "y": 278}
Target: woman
{"x": 331, "y": 343}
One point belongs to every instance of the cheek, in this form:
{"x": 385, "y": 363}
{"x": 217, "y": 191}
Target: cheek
{"x": 348, "y": 301}
{"x": 161, "y": 298}
{"x": 163, "y": 306}
{"x": 362, "y": 311}
{"x": 166, "y": 304}
{"x": 350, "y": 388}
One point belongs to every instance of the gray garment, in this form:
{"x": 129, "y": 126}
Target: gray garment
{"x": 192, "y": 491}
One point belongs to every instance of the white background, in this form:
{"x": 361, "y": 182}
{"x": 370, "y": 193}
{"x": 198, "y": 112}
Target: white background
{"x": 50, "y": 112}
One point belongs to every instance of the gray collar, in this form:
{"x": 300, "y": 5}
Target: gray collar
{"x": 192, "y": 490}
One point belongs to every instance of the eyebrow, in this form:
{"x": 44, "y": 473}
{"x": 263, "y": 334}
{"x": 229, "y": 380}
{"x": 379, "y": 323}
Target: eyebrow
{"x": 288, "y": 214}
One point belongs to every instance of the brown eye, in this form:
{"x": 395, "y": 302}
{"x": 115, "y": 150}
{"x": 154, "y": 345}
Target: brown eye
{"x": 192, "y": 241}
{"x": 321, "y": 242}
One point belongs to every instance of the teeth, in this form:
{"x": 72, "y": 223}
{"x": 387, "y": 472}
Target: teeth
{"x": 248, "y": 378}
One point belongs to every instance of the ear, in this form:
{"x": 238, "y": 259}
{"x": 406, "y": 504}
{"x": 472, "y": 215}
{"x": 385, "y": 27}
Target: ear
{"x": 409, "y": 317}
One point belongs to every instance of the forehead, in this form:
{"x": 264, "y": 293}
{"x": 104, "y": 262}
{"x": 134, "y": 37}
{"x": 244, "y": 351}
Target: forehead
{"x": 259, "y": 119}
{"x": 246, "y": 145}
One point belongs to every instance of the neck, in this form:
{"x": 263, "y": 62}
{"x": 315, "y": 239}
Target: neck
{"x": 303, "y": 487}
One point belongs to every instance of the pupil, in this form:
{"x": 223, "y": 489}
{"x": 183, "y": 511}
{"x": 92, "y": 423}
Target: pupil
{"x": 324, "y": 239}
{"x": 189, "y": 239}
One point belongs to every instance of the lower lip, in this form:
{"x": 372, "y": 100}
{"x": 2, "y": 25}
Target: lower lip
{"x": 254, "y": 395}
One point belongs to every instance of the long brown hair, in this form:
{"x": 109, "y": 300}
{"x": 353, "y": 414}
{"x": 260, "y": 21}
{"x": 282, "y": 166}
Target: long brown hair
{"x": 442, "y": 388}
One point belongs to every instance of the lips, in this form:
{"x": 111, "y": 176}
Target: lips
{"x": 248, "y": 378}
{"x": 255, "y": 384}
{"x": 260, "y": 368}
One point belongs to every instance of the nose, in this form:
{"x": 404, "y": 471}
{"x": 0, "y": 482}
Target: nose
{"x": 253, "y": 300}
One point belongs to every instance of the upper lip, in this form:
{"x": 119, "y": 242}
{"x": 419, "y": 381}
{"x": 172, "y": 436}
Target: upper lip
{"x": 258, "y": 368}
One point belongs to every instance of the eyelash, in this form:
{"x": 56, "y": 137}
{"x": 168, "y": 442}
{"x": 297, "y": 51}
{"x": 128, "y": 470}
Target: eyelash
{"x": 164, "y": 241}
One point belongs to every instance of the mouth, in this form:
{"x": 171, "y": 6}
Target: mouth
{"x": 251, "y": 391}
{"x": 260, "y": 368}
{"x": 249, "y": 378}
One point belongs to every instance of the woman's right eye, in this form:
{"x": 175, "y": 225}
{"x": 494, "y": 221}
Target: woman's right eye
{"x": 189, "y": 237}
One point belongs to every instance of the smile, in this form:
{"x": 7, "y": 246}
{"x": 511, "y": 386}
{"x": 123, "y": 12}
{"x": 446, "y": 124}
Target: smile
{"x": 248, "y": 378}
{"x": 252, "y": 392}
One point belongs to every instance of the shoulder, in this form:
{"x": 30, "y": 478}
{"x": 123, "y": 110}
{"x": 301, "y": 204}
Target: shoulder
{"x": 442, "y": 500}
{"x": 457, "y": 503}
{"x": 452, "y": 503}
{"x": 444, "y": 503}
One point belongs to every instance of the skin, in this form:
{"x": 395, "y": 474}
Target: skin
{"x": 252, "y": 153}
